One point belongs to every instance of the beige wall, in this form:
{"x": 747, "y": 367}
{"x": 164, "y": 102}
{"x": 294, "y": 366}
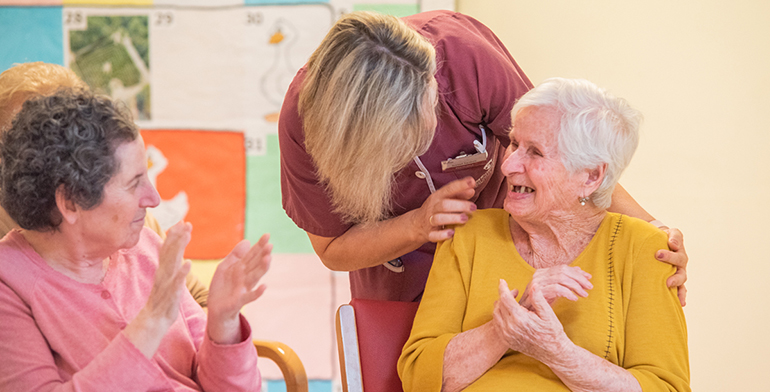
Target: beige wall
{"x": 700, "y": 72}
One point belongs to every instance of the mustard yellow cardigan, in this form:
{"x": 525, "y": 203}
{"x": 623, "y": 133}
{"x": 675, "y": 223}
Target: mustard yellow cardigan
{"x": 630, "y": 317}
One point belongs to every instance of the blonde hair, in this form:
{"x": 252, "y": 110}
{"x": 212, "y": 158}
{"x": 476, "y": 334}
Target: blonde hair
{"x": 368, "y": 105}
{"x": 23, "y": 81}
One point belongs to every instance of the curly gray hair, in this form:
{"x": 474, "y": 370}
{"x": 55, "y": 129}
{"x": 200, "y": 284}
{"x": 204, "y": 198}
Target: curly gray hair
{"x": 64, "y": 140}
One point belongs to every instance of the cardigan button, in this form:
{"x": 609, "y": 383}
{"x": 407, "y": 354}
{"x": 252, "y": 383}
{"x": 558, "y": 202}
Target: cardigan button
{"x": 419, "y": 175}
{"x": 106, "y": 294}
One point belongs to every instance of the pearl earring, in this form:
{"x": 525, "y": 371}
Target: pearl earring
{"x": 582, "y": 200}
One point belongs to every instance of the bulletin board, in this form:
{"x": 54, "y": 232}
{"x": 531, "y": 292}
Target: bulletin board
{"x": 204, "y": 81}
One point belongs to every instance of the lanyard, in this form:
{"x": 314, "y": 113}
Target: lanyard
{"x": 458, "y": 162}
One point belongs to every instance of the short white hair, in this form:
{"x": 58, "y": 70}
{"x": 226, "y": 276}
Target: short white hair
{"x": 596, "y": 128}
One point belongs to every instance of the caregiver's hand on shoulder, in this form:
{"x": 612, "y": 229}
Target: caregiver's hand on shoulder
{"x": 676, "y": 256}
{"x": 559, "y": 281}
{"x": 537, "y": 332}
{"x": 449, "y": 205}
{"x": 234, "y": 285}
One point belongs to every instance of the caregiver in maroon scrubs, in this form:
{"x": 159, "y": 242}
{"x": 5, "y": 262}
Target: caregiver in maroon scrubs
{"x": 393, "y": 132}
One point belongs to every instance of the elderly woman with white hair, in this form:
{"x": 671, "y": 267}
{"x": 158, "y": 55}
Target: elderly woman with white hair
{"x": 622, "y": 328}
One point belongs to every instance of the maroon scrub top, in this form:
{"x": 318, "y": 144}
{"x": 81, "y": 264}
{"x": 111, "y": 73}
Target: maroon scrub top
{"x": 478, "y": 84}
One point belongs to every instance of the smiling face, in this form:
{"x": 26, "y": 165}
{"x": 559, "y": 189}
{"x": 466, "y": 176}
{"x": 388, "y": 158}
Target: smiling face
{"x": 117, "y": 221}
{"x": 539, "y": 186}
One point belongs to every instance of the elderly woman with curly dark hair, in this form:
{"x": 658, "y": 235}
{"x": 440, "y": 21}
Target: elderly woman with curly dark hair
{"x": 90, "y": 300}
{"x": 28, "y": 80}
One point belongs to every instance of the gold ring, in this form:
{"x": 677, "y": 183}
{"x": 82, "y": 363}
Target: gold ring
{"x": 431, "y": 220}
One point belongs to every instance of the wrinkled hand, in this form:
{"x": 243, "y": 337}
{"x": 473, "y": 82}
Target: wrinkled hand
{"x": 152, "y": 322}
{"x": 537, "y": 332}
{"x": 449, "y": 205}
{"x": 677, "y": 257}
{"x": 555, "y": 282}
{"x": 234, "y": 285}
{"x": 170, "y": 275}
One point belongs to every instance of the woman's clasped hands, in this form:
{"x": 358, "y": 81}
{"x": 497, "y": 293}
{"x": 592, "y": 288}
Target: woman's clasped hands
{"x": 530, "y": 326}
{"x": 535, "y": 332}
{"x": 555, "y": 282}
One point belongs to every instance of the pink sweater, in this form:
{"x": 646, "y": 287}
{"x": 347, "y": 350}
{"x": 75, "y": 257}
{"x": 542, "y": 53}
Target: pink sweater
{"x": 57, "y": 334}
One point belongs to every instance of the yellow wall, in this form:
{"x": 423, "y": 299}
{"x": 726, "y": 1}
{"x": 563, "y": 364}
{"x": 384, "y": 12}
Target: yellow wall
{"x": 700, "y": 72}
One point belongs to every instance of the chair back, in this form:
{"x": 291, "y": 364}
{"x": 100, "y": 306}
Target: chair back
{"x": 370, "y": 336}
{"x": 287, "y": 360}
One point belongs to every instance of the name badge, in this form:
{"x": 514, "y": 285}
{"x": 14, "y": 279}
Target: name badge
{"x": 464, "y": 161}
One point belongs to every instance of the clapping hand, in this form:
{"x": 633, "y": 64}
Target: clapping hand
{"x": 147, "y": 329}
{"x": 170, "y": 275}
{"x": 234, "y": 285}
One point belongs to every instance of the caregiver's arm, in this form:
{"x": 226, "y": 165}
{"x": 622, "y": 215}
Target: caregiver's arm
{"x": 624, "y": 203}
{"x": 369, "y": 245}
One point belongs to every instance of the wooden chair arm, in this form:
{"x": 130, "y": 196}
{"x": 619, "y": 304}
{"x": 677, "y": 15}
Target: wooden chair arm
{"x": 347, "y": 346}
{"x": 287, "y": 360}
